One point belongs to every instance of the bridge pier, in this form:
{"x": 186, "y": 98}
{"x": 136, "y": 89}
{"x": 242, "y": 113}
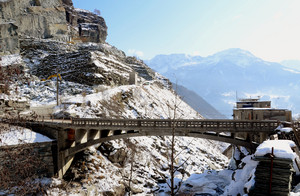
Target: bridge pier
{"x": 64, "y": 141}
{"x": 69, "y": 138}
{"x": 262, "y": 137}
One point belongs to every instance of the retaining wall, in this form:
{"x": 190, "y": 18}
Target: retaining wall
{"x": 21, "y": 160}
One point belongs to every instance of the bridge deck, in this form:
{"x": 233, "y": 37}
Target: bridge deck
{"x": 161, "y": 124}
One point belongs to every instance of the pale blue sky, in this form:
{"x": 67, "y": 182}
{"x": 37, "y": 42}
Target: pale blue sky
{"x": 270, "y": 29}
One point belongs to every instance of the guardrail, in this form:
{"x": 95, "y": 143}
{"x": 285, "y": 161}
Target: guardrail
{"x": 169, "y": 123}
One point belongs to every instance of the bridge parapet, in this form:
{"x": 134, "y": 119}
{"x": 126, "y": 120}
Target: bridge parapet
{"x": 216, "y": 125}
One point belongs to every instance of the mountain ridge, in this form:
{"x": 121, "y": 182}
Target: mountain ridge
{"x": 217, "y": 77}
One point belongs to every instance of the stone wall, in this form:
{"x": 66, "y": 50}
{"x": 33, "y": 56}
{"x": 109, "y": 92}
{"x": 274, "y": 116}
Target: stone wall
{"x": 12, "y": 107}
{"x": 280, "y": 182}
{"x": 36, "y": 158}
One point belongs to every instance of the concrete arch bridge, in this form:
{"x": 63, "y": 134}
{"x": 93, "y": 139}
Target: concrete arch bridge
{"x": 78, "y": 134}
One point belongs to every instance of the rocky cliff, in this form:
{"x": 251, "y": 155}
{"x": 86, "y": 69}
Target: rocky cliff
{"x": 52, "y": 36}
{"x": 47, "y": 19}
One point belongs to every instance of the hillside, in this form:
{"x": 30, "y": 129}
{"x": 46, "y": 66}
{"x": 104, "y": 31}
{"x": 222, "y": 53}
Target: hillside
{"x": 198, "y": 103}
{"x": 222, "y": 77}
{"x": 42, "y": 38}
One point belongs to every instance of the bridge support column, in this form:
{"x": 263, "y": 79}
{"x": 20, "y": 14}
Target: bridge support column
{"x": 232, "y": 135}
{"x": 63, "y": 143}
{"x": 262, "y": 137}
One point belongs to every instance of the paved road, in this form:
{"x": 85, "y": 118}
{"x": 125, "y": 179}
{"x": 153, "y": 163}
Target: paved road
{"x": 45, "y": 110}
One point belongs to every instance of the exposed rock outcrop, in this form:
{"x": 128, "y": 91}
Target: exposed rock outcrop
{"x": 9, "y": 40}
{"x": 90, "y": 64}
{"x": 35, "y": 18}
{"x": 47, "y": 19}
{"x": 51, "y": 36}
{"x": 87, "y": 27}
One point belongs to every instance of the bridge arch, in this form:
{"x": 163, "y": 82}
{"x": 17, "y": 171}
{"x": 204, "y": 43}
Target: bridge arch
{"x": 130, "y": 134}
{"x": 89, "y": 132}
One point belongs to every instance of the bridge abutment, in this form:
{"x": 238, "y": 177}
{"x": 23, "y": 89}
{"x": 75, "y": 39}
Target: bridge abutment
{"x": 64, "y": 141}
{"x": 72, "y": 138}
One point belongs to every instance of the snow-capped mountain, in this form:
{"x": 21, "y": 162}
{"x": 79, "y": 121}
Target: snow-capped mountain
{"x": 165, "y": 63}
{"x": 291, "y": 64}
{"x": 231, "y": 74}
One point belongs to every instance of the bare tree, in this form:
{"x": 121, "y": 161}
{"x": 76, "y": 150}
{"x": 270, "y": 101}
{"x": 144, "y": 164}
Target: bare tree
{"x": 173, "y": 113}
{"x": 20, "y": 166}
{"x": 131, "y": 156}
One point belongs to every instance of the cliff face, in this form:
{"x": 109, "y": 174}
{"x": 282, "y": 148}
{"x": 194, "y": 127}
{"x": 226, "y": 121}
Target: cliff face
{"x": 34, "y": 18}
{"x": 47, "y": 19}
{"x": 86, "y": 26}
{"x": 51, "y": 36}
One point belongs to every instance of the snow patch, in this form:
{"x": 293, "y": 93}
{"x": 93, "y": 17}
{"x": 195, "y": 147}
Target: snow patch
{"x": 241, "y": 177}
{"x": 18, "y": 135}
{"x": 282, "y": 149}
{"x": 10, "y": 60}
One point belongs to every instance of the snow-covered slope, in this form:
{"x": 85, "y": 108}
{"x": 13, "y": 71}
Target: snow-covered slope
{"x": 222, "y": 77}
{"x": 104, "y": 170}
{"x": 151, "y": 162}
{"x": 198, "y": 103}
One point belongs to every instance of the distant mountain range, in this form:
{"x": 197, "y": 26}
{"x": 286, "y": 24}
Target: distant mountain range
{"x": 234, "y": 73}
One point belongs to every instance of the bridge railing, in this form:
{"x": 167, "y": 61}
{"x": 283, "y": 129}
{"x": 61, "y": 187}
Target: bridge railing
{"x": 169, "y": 123}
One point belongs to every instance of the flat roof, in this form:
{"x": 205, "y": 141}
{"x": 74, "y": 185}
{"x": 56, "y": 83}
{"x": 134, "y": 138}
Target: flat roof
{"x": 258, "y": 109}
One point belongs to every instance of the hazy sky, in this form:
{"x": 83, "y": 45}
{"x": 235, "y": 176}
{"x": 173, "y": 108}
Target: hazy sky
{"x": 270, "y": 29}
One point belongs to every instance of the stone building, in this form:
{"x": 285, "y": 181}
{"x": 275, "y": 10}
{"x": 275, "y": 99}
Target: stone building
{"x": 133, "y": 78}
{"x": 254, "y": 109}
